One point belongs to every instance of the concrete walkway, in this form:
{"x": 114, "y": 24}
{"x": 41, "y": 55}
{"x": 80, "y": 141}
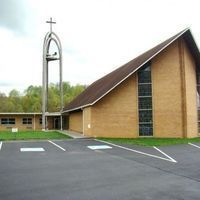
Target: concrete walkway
{"x": 73, "y": 134}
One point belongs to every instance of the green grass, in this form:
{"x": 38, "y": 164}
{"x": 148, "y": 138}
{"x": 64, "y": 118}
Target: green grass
{"x": 151, "y": 141}
{"x": 31, "y": 135}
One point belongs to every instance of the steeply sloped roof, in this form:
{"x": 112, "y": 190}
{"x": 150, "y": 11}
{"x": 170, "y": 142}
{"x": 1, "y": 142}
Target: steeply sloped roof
{"x": 104, "y": 85}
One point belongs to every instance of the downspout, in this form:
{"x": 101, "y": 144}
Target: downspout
{"x": 61, "y": 122}
{"x": 83, "y": 120}
{"x": 34, "y": 122}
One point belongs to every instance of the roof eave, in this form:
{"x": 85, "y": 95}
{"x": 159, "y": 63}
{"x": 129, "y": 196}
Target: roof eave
{"x": 77, "y": 108}
{"x": 20, "y": 113}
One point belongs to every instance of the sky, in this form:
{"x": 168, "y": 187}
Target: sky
{"x": 97, "y": 36}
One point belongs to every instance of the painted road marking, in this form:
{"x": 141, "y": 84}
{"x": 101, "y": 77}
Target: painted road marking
{"x": 97, "y": 147}
{"x": 140, "y": 152}
{"x": 57, "y": 145}
{"x": 31, "y": 149}
{"x": 194, "y": 145}
{"x": 165, "y": 154}
{"x": 1, "y": 145}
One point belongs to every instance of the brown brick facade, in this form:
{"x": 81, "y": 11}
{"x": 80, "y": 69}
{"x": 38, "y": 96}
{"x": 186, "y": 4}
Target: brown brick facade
{"x": 53, "y": 122}
{"x": 167, "y": 94}
{"x": 191, "y": 93}
{"x": 173, "y": 97}
{"x": 116, "y": 114}
{"x": 18, "y": 122}
{"x": 76, "y": 121}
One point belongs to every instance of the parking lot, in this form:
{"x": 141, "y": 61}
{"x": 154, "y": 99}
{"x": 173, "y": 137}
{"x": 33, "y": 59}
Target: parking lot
{"x": 90, "y": 169}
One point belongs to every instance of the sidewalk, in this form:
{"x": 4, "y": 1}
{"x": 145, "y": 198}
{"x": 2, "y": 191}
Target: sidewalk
{"x": 73, "y": 134}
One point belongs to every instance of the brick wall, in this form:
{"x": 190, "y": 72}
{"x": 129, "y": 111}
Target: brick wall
{"x": 115, "y": 115}
{"x": 76, "y": 121}
{"x": 18, "y": 122}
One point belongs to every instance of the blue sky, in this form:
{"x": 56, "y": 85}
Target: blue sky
{"x": 97, "y": 35}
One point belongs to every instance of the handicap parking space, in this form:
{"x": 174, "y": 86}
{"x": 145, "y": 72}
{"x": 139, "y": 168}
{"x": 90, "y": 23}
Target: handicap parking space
{"x": 77, "y": 145}
{"x": 83, "y": 146}
{"x": 16, "y": 147}
{"x": 49, "y": 146}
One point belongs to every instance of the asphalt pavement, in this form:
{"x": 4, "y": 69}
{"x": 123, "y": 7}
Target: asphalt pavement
{"x": 69, "y": 170}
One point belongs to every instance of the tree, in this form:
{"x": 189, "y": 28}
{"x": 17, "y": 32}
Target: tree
{"x": 14, "y": 94}
{"x": 31, "y": 100}
{"x": 3, "y": 102}
{"x": 14, "y": 101}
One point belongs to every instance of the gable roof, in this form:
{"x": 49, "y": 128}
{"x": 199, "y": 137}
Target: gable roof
{"x": 104, "y": 85}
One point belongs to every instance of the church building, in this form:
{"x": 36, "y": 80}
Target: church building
{"x": 154, "y": 95}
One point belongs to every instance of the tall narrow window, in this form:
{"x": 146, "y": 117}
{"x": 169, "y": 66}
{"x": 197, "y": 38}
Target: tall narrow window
{"x": 145, "y": 101}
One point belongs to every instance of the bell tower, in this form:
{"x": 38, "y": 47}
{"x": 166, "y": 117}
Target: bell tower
{"x": 47, "y": 57}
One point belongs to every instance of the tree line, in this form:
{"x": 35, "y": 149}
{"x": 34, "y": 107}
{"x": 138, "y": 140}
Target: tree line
{"x": 31, "y": 100}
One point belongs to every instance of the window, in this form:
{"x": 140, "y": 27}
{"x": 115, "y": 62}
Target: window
{"x": 144, "y": 74}
{"x": 144, "y": 90}
{"x": 146, "y": 129}
{"x": 40, "y": 120}
{"x": 198, "y": 78}
{"x": 7, "y": 121}
{"x": 27, "y": 121}
{"x": 145, "y": 101}
{"x": 145, "y": 116}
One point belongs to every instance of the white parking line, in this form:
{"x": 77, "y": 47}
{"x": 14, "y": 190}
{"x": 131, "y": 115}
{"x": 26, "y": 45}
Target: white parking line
{"x": 57, "y": 145}
{"x": 165, "y": 154}
{"x": 194, "y": 145}
{"x": 1, "y": 145}
{"x": 140, "y": 152}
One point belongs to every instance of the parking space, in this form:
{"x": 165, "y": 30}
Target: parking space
{"x": 187, "y": 157}
{"x": 168, "y": 157}
{"x": 91, "y": 169}
{"x": 16, "y": 147}
{"x": 140, "y": 152}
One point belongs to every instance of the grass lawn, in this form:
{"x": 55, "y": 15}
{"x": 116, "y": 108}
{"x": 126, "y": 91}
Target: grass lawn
{"x": 28, "y": 135}
{"x": 151, "y": 141}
